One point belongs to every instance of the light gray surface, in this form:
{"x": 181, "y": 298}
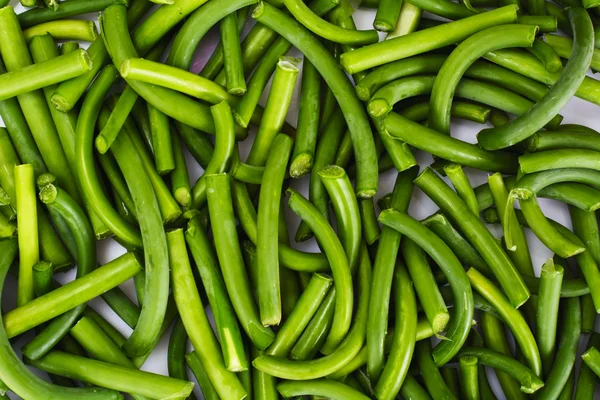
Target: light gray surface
{"x": 577, "y": 111}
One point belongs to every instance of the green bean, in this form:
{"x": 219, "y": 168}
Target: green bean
{"x": 547, "y": 311}
{"x": 439, "y": 251}
{"x": 65, "y": 206}
{"x": 495, "y": 339}
{"x": 65, "y": 29}
{"x": 585, "y": 226}
{"x": 320, "y": 387}
{"x": 180, "y": 180}
{"x": 511, "y": 317}
{"x": 588, "y": 313}
{"x": 461, "y": 184}
{"x": 564, "y": 46}
{"x": 277, "y": 107}
{"x": 176, "y": 353}
{"x": 519, "y": 253}
{"x": 122, "y": 378}
{"x": 546, "y": 23}
{"x": 198, "y": 143}
{"x": 547, "y": 140}
{"x": 247, "y": 173}
{"x": 208, "y": 390}
{"x": 40, "y": 75}
{"x": 196, "y": 322}
{"x": 232, "y": 53}
{"x": 19, "y": 132}
{"x": 33, "y": 104}
{"x": 383, "y": 272}
{"x": 564, "y": 88}
{"x": 477, "y": 234}
{"x": 39, "y": 15}
{"x": 446, "y": 147}
{"x": 350, "y": 347}
{"x": 468, "y": 372}
{"x": 338, "y": 262}
{"x": 586, "y": 381}
{"x": 437, "y": 37}
{"x": 230, "y": 258}
{"x": 355, "y": 116}
{"x": 591, "y": 358}
{"x": 161, "y": 141}
{"x": 223, "y": 152}
{"x": 27, "y": 222}
{"x": 530, "y": 383}
{"x": 113, "y": 333}
{"x": 116, "y": 121}
{"x": 308, "y": 121}
{"x": 566, "y": 352}
{"x": 396, "y": 367}
{"x": 288, "y": 257}
{"x": 462, "y": 57}
{"x": 325, "y": 155}
{"x": 269, "y": 294}
{"x": 425, "y": 286}
{"x": 328, "y": 30}
{"x": 169, "y": 209}
{"x": 546, "y": 54}
{"x": 42, "y": 278}
{"x": 430, "y": 372}
{"x": 175, "y": 79}
{"x": 553, "y": 159}
{"x": 70, "y": 295}
{"x": 85, "y": 168}
{"x": 388, "y": 13}
{"x": 542, "y": 227}
{"x": 306, "y": 307}
{"x": 316, "y": 331}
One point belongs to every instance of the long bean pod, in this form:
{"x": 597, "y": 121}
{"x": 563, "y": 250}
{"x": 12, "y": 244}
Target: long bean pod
{"x": 27, "y": 223}
{"x": 547, "y": 311}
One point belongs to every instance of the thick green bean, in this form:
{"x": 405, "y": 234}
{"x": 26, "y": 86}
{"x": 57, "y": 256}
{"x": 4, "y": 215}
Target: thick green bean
{"x": 161, "y": 140}
{"x": 425, "y": 285}
{"x": 564, "y": 46}
{"x": 195, "y": 364}
{"x": 403, "y": 344}
{"x": 196, "y": 322}
{"x": 363, "y": 144}
{"x": 383, "y": 272}
{"x": 117, "y": 119}
{"x": 547, "y": 311}
{"x": 269, "y": 290}
{"x": 468, "y": 373}
{"x": 276, "y": 110}
{"x": 180, "y": 179}
{"x": 37, "y": 16}
{"x": 511, "y": 317}
{"x": 586, "y": 381}
{"x": 308, "y": 121}
{"x": 320, "y": 387}
{"x": 530, "y": 383}
{"x": 230, "y": 257}
{"x": 565, "y": 87}
{"x": 27, "y": 223}
{"x": 387, "y": 15}
{"x": 438, "y": 389}
{"x": 436, "y": 37}
{"x": 65, "y": 29}
{"x": 70, "y": 295}
{"x": 546, "y": 54}
{"x": 232, "y": 53}
{"x": 447, "y": 147}
{"x": 461, "y": 184}
{"x": 462, "y": 57}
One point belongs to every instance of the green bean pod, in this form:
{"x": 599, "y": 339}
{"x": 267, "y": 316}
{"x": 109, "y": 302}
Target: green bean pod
{"x": 586, "y": 381}
{"x": 320, "y": 387}
{"x": 161, "y": 140}
{"x": 547, "y": 311}
{"x": 430, "y": 373}
{"x": 383, "y": 272}
{"x": 468, "y": 373}
{"x": 232, "y": 53}
{"x": 546, "y": 54}
{"x": 195, "y": 364}
{"x": 461, "y": 184}
{"x": 65, "y": 29}
{"x": 269, "y": 291}
{"x": 403, "y": 345}
{"x": 116, "y": 121}
{"x": 387, "y": 15}
{"x": 565, "y": 87}
{"x": 563, "y": 46}
{"x": 230, "y": 257}
{"x": 511, "y": 317}
{"x": 462, "y": 57}
{"x": 223, "y": 152}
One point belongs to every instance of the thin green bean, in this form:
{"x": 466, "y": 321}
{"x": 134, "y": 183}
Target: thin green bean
{"x": 547, "y": 311}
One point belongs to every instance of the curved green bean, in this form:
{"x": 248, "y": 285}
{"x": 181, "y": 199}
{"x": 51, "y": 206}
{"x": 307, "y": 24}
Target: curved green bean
{"x": 530, "y": 383}
{"x": 232, "y": 54}
{"x": 320, "y": 387}
{"x": 462, "y": 57}
{"x": 565, "y": 87}
{"x": 223, "y": 152}
{"x": 230, "y": 258}
{"x": 354, "y": 113}
{"x": 511, "y": 316}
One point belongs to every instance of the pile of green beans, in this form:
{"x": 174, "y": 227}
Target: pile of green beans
{"x": 95, "y": 148}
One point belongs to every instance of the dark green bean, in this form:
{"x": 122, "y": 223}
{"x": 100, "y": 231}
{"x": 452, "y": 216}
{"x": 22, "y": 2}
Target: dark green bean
{"x": 438, "y": 389}
{"x": 176, "y": 353}
{"x": 195, "y": 364}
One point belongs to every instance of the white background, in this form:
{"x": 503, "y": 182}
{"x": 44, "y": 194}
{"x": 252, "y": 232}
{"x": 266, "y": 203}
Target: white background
{"x": 577, "y": 111}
